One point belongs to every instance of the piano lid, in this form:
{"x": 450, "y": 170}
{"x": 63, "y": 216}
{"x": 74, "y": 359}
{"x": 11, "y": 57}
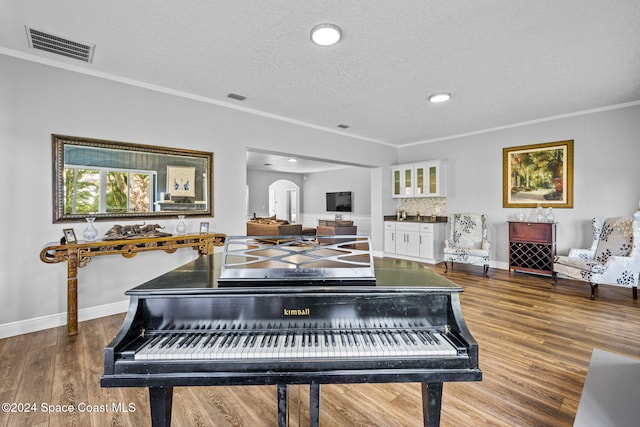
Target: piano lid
{"x": 297, "y": 260}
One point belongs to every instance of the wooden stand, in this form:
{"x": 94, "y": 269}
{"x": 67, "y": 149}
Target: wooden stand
{"x": 79, "y": 254}
{"x": 532, "y": 246}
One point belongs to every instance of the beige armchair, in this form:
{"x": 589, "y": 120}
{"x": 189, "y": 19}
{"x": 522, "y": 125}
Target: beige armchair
{"x": 613, "y": 259}
{"x": 468, "y": 242}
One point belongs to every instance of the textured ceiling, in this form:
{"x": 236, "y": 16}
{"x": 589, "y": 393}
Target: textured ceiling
{"x": 505, "y": 62}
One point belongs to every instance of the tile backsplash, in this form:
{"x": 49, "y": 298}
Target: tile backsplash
{"x": 424, "y": 206}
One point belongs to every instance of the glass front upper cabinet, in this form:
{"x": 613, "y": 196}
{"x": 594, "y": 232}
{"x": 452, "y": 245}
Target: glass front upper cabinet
{"x": 402, "y": 184}
{"x": 422, "y": 179}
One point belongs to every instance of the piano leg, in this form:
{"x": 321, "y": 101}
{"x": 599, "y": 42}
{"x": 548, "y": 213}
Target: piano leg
{"x": 431, "y": 402}
{"x": 314, "y": 405}
{"x": 282, "y": 405}
{"x": 161, "y": 399}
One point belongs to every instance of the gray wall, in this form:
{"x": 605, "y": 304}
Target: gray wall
{"x": 354, "y": 179}
{"x": 258, "y": 184}
{"x": 37, "y": 100}
{"x": 606, "y": 172}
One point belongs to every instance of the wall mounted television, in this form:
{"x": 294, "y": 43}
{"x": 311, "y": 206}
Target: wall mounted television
{"x": 340, "y": 201}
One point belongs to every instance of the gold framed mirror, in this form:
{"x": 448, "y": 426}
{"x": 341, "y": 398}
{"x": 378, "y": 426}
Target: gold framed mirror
{"x": 120, "y": 180}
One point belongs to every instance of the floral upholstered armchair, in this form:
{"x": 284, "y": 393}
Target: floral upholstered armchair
{"x": 467, "y": 242}
{"x": 613, "y": 259}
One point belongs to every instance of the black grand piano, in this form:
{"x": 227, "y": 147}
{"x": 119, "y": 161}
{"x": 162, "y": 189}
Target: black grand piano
{"x": 294, "y": 310}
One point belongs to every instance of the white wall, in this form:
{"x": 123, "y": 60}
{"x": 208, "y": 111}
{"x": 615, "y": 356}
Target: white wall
{"x": 355, "y": 179}
{"x": 258, "y": 183}
{"x": 37, "y": 100}
{"x": 606, "y": 172}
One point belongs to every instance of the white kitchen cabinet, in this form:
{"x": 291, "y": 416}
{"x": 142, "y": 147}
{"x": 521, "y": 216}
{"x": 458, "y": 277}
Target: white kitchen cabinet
{"x": 390, "y": 237}
{"x": 420, "y": 179}
{"x": 432, "y": 241}
{"x": 402, "y": 184}
{"x": 416, "y": 240}
{"x": 407, "y": 239}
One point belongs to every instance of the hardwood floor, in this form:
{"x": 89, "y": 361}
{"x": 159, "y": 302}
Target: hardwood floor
{"x": 535, "y": 344}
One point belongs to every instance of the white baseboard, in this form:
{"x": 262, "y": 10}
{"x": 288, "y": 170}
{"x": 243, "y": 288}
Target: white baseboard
{"x": 492, "y": 264}
{"x": 54, "y": 320}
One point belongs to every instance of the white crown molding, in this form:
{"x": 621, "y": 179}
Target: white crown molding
{"x": 187, "y": 95}
{"x": 529, "y": 122}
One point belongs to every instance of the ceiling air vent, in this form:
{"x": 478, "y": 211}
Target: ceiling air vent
{"x": 236, "y": 97}
{"x": 60, "y": 45}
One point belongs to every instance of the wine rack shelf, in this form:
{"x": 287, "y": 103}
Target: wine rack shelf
{"x": 532, "y": 246}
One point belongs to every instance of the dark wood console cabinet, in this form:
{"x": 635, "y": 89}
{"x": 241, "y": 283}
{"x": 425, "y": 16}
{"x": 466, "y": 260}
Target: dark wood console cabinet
{"x": 532, "y": 246}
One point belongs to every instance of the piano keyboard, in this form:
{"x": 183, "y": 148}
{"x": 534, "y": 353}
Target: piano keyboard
{"x": 336, "y": 339}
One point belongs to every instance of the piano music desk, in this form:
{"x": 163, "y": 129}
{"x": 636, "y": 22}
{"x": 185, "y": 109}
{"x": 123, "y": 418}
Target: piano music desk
{"x": 79, "y": 254}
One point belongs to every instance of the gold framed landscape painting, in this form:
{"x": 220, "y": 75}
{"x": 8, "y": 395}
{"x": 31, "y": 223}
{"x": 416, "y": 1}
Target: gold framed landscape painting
{"x": 538, "y": 174}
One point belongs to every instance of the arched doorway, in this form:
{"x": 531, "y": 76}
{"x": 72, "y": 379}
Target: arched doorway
{"x": 284, "y": 200}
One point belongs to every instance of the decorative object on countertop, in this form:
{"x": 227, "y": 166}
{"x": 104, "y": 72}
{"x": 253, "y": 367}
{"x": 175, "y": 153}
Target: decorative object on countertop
{"x": 539, "y": 213}
{"x": 612, "y": 259}
{"x": 136, "y": 231}
{"x": 550, "y": 217}
{"x": 181, "y": 228}
{"x": 90, "y": 233}
{"x": 468, "y": 242}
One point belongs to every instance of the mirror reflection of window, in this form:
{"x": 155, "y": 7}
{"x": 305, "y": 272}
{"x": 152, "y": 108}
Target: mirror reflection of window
{"x": 107, "y": 190}
{"x": 111, "y": 179}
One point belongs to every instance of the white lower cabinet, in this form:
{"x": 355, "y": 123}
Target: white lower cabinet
{"x": 407, "y": 239}
{"x": 415, "y": 239}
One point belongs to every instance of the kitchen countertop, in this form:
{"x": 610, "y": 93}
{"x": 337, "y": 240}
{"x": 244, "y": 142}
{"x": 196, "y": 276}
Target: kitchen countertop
{"x": 412, "y": 218}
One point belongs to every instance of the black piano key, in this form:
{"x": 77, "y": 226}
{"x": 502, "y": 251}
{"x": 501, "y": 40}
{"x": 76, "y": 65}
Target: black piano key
{"x": 225, "y": 340}
{"x": 422, "y": 337}
{"x": 183, "y": 339}
{"x": 247, "y": 339}
{"x": 383, "y": 338}
{"x": 254, "y": 338}
{"x": 235, "y": 340}
{"x": 365, "y": 338}
{"x": 349, "y": 338}
{"x": 404, "y": 337}
{"x": 392, "y": 338}
{"x": 435, "y": 339}
{"x": 171, "y": 341}
{"x": 263, "y": 341}
{"x": 196, "y": 340}
{"x": 206, "y": 341}
{"x": 372, "y": 337}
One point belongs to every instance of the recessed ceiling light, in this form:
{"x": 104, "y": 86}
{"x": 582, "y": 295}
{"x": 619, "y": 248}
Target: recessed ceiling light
{"x": 292, "y": 160}
{"x": 343, "y": 126}
{"x": 326, "y": 34}
{"x": 440, "y": 97}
